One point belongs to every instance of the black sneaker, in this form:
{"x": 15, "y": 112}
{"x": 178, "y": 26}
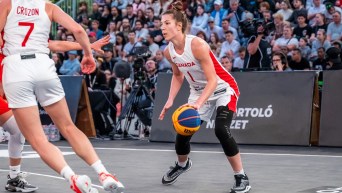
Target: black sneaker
{"x": 241, "y": 184}
{"x": 171, "y": 176}
{"x": 19, "y": 184}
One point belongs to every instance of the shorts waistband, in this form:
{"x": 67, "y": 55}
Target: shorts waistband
{"x": 27, "y": 56}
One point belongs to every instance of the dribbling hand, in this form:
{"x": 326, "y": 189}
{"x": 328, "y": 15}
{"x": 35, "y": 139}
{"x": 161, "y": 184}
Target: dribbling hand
{"x": 195, "y": 106}
{"x": 88, "y": 64}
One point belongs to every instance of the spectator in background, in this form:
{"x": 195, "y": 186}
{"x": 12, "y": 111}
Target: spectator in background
{"x": 140, "y": 32}
{"x": 302, "y": 29}
{"x": 157, "y": 33}
{"x": 190, "y": 13}
{"x": 319, "y": 23}
{"x": 109, "y": 60}
{"x": 116, "y": 17}
{"x": 298, "y": 62}
{"x": 239, "y": 61}
{"x": 317, "y": 7}
{"x": 227, "y": 27}
{"x": 138, "y": 4}
{"x": 130, "y": 44}
{"x": 95, "y": 15}
{"x": 141, "y": 16}
{"x": 299, "y": 9}
{"x": 229, "y": 47}
{"x": 95, "y": 28}
{"x": 201, "y": 18}
{"x": 111, "y": 30}
{"x": 72, "y": 65}
{"x": 214, "y": 41}
{"x": 279, "y": 62}
{"x": 304, "y": 48}
{"x": 212, "y": 28}
{"x": 201, "y": 34}
{"x": 279, "y": 25}
{"x": 285, "y": 9}
{"x": 155, "y": 5}
{"x": 287, "y": 41}
{"x": 334, "y": 30}
{"x": 57, "y": 58}
{"x": 227, "y": 63}
{"x": 130, "y": 15}
{"x": 321, "y": 62}
{"x": 330, "y": 9}
{"x": 105, "y": 18}
{"x": 152, "y": 75}
{"x": 85, "y": 22}
{"x": 334, "y": 59}
{"x": 320, "y": 41}
{"x": 219, "y": 13}
{"x": 152, "y": 46}
{"x": 119, "y": 45}
{"x": 162, "y": 63}
{"x": 149, "y": 16}
{"x": 125, "y": 27}
{"x": 92, "y": 37}
{"x": 82, "y": 10}
{"x": 120, "y": 4}
{"x": 235, "y": 13}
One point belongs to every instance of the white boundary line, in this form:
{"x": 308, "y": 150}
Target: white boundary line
{"x": 206, "y": 152}
{"x": 50, "y": 176}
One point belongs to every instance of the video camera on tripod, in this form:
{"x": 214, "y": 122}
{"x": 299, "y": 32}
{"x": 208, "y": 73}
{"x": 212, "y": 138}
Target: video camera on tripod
{"x": 141, "y": 54}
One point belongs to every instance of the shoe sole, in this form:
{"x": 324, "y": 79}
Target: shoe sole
{"x": 16, "y": 189}
{"x": 248, "y": 188}
{"x": 86, "y": 180}
{"x": 166, "y": 183}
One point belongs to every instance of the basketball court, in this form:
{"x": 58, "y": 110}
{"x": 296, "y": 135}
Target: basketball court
{"x": 140, "y": 165}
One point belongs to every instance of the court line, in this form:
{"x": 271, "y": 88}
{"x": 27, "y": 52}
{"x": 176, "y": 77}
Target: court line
{"x": 208, "y": 152}
{"x": 50, "y": 176}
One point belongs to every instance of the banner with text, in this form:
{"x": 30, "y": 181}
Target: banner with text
{"x": 331, "y": 109}
{"x": 274, "y": 108}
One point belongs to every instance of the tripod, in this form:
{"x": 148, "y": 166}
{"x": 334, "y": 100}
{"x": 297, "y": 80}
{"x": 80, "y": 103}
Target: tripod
{"x": 134, "y": 105}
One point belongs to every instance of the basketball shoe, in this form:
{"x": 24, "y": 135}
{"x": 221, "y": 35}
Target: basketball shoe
{"x": 19, "y": 184}
{"x": 171, "y": 176}
{"x": 241, "y": 184}
{"x": 82, "y": 184}
{"x": 111, "y": 183}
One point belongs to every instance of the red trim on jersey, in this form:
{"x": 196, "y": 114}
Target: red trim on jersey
{"x": 3, "y": 41}
{"x": 1, "y": 66}
{"x": 192, "y": 78}
{"x": 3, "y": 106}
{"x": 227, "y": 77}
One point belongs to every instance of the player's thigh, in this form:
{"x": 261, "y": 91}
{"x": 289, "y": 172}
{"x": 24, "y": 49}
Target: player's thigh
{"x": 59, "y": 113}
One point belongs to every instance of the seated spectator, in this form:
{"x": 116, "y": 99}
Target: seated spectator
{"x": 320, "y": 41}
{"x": 92, "y": 37}
{"x": 227, "y": 63}
{"x": 330, "y": 9}
{"x": 302, "y": 29}
{"x": 316, "y": 7}
{"x": 95, "y": 28}
{"x": 72, "y": 65}
{"x": 279, "y": 25}
{"x": 298, "y": 62}
{"x": 105, "y": 17}
{"x": 321, "y": 62}
{"x": 162, "y": 63}
{"x": 111, "y": 30}
{"x": 215, "y": 41}
{"x": 279, "y": 62}
{"x": 120, "y": 4}
{"x": 152, "y": 46}
{"x": 109, "y": 60}
{"x": 299, "y": 10}
{"x": 304, "y": 48}
{"x": 239, "y": 61}
{"x": 227, "y": 27}
{"x": 201, "y": 35}
{"x": 201, "y": 18}
{"x": 130, "y": 44}
{"x": 229, "y": 47}
{"x": 334, "y": 31}
{"x": 286, "y": 41}
{"x": 219, "y": 13}
{"x": 82, "y": 10}
{"x": 116, "y": 17}
{"x": 285, "y": 9}
{"x": 334, "y": 59}
{"x": 130, "y": 15}
{"x": 140, "y": 32}
{"x": 138, "y": 4}
{"x": 319, "y": 24}
{"x": 57, "y": 58}
{"x": 96, "y": 14}
{"x": 157, "y": 33}
{"x": 149, "y": 16}
{"x": 141, "y": 16}
{"x": 212, "y": 28}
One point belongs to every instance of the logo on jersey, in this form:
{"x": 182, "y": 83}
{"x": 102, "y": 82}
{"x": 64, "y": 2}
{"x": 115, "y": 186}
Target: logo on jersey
{"x": 27, "y": 11}
{"x": 188, "y": 64}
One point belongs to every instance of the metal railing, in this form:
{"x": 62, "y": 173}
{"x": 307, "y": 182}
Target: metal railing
{"x": 70, "y": 7}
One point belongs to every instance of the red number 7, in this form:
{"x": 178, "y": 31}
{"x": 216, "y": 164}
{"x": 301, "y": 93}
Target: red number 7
{"x": 31, "y": 25}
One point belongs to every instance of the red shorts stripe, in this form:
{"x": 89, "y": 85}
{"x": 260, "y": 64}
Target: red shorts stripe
{"x": 232, "y": 103}
{"x": 3, "y": 106}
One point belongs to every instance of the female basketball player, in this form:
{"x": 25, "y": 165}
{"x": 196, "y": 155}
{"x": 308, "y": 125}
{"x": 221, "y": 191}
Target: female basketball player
{"x": 29, "y": 73}
{"x": 16, "y": 179}
{"x": 211, "y": 87}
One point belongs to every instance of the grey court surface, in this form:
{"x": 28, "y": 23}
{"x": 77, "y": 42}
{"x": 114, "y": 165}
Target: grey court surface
{"x": 140, "y": 164}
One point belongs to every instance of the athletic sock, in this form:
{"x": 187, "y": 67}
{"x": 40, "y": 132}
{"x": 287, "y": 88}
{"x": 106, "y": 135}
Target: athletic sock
{"x": 67, "y": 172}
{"x": 182, "y": 164}
{"x": 241, "y": 172}
{"x": 14, "y": 171}
{"x": 99, "y": 167}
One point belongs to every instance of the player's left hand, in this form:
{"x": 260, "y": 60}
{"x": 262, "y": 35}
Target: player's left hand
{"x": 88, "y": 64}
{"x": 195, "y": 106}
{"x": 99, "y": 44}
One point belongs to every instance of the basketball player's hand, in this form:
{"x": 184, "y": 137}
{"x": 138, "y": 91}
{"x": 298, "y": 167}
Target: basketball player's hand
{"x": 166, "y": 107}
{"x": 99, "y": 44}
{"x": 195, "y": 106}
{"x": 88, "y": 64}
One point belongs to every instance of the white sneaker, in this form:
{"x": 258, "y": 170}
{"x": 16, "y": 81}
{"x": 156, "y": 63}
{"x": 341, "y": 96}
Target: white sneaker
{"x": 82, "y": 184}
{"x": 111, "y": 183}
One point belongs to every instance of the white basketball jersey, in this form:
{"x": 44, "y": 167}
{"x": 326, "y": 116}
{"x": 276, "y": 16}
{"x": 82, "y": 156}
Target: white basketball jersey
{"x": 194, "y": 74}
{"x": 27, "y": 28}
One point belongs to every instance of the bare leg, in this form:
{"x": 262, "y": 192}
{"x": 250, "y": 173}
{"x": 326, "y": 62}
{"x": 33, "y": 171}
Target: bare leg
{"x": 32, "y": 130}
{"x": 182, "y": 158}
{"x": 59, "y": 114}
{"x": 235, "y": 162}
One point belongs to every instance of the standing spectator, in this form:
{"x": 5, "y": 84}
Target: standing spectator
{"x": 334, "y": 30}
{"x": 152, "y": 75}
{"x": 298, "y": 62}
{"x": 201, "y": 18}
{"x": 95, "y": 28}
{"x": 227, "y": 63}
{"x": 258, "y": 52}
{"x": 317, "y": 7}
{"x": 72, "y": 65}
{"x": 321, "y": 62}
{"x": 299, "y": 9}
{"x": 230, "y": 47}
{"x": 218, "y": 13}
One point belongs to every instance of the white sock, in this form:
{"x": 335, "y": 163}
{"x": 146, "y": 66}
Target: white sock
{"x": 182, "y": 164}
{"x": 242, "y": 172}
{"x": 14, "y": 171}
{"x": 67, "y": 172}
{"x": 99, "y": 167}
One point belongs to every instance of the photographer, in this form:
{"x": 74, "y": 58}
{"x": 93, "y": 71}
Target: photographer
{"x": 152, "y": 74}
{"x": 258, "y": 52}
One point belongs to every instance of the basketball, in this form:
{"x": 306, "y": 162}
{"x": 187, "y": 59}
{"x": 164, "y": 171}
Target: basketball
{"x": 186, "y": 120}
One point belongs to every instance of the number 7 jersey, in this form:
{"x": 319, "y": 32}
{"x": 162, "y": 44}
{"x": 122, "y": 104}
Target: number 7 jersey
{"x": 27, "y": 28}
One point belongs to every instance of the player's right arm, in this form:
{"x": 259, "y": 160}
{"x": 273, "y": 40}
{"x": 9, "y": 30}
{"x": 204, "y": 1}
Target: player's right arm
{"x": 5, "y": 8}
{"x": 176, "y": 84}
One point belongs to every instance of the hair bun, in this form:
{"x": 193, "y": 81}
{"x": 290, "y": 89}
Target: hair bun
{"x": 178, "y": 6}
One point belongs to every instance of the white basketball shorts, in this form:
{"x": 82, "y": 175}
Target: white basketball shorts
{"x": 28, "y": 78}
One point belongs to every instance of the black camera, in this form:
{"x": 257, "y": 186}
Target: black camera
{"x": 250, "y": 27}
{"x": 141, "y": 53}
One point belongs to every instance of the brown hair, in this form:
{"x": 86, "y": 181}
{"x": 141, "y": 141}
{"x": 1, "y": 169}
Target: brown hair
{"x": 178, "y": 14}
